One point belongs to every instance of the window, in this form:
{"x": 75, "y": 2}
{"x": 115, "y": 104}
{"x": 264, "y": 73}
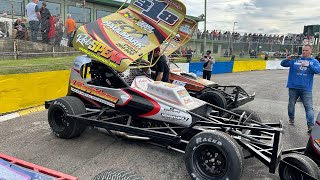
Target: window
{"x": 78, "y": 15}
{"x": 54, "y": 8}
{"x": 18, "y": 7}
{"x": 101, "y": 13}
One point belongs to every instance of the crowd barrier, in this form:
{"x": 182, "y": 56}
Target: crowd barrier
{"x": 20, "y": 91}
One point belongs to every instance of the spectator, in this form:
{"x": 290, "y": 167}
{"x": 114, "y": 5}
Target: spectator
{"x": 70, "y": 28}
{"x": 162, "y": 67}
{"x": 45, "y": 22}
{"x": 21, "y": 31}
{"x": 207, "y": 66}
{"x": 300, "y": 82}
{"x": 33, "y": 16}
{"x": 52, "y": 31}
{"x": 189, "y": 55}
{"x": 59, "y": 30}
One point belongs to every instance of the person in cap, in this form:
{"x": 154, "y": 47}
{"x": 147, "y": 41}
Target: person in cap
{"x": 161, "y": 67}
{"x": 207, "y": 66}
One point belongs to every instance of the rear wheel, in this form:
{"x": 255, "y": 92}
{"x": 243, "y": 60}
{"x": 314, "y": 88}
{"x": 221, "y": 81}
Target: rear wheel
{"x": 213, "y": 155}
{"x": 62, "y": 126}
{"x": 216, "y": 98}
{"x": 301, "y": 162}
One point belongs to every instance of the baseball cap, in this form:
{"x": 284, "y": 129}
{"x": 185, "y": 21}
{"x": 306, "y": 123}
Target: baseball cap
{"x": 208, "y": 52}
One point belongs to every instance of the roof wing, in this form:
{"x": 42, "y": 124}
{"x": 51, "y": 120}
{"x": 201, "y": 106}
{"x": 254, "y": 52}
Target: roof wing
{"x": 183, "y": 36}
{"x": 121, "y": 38}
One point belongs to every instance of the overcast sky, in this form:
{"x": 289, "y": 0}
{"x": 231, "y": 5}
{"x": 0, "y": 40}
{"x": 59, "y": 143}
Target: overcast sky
{"x": 257, "y": 16}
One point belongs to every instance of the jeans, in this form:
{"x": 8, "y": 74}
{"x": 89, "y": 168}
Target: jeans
{"x": 34, "y": 26}
{"x": 306, "y": 98}
{"x": 206, "y": 74}
{"x": 70, "y": 37}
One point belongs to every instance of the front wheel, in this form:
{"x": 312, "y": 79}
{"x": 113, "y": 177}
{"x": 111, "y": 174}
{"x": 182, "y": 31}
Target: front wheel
{"x": 213, "y": 155}
{"x": 61, "y": 125}
{"x": 302, "y": 162}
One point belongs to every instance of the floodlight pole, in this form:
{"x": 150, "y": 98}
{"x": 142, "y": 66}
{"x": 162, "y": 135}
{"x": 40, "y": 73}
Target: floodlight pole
{"x": 234, "y": 24}
{"x": 205, "y": 27}
{"x": 318, "y": 50}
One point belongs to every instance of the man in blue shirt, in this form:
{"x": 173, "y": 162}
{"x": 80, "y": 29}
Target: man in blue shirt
{"x": 300, "y": 82}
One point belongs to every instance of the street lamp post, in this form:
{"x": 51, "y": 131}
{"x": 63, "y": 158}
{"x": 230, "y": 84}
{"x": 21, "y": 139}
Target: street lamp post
{"x": 205, "y": 26}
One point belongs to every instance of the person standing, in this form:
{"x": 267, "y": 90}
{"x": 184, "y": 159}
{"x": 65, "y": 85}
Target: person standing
{"x": 33, "y": 17}
{"x": 59, "y": 29}
{"x": 161, "y": 67}
{"x": 207, "y": 66}
{"x": 45, "y": 22}
{"x": 70, "y": 28}
{"x": 300, "y": 82}
{"x": 189, "y": 55}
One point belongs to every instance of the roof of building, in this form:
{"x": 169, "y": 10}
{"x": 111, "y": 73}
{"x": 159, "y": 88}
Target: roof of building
{"x": 118, "y": 4}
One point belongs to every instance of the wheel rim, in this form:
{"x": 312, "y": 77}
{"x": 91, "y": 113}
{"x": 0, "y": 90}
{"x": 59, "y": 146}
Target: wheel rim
{"x": 290, "y": 173}
{"x": 210, "y": 161}
{"x": 59, "y": 122}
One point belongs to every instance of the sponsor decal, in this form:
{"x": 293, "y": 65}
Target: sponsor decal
{"x": 174, "y": 117}
{"x": 171, "y": 110}
{"x": 145, "y": 26}
{"x": 183, "y": 93}
{"x": 317, "y": 144}
{"x": 93, "y": 91}
{"x": 99, "y": 50}
{"x": 199, "y": 140}
{"x": 92, "y": 97}
{"x": 120, "y": 31}
{"x": 128, "y": 49}
{"x": 157, "y": 11}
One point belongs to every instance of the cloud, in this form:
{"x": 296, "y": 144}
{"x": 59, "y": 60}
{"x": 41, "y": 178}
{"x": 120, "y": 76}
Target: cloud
{"x": 256, "y": 16}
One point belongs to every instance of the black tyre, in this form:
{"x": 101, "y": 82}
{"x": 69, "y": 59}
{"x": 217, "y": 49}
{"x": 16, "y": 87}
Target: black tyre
{"x": 116, "y": 175}
{"x": 213, "y": 155}
{"x": 310, "y": 151}
{"x": 214, "y": 97}
{"x": 61, "y": 126}
{"x": 300, "y": 161}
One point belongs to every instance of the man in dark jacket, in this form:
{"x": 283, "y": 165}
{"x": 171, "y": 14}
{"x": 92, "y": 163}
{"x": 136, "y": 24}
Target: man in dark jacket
{"x": 207, "y": 66}
{"x": 162, "y": 67}
{"x": 45, "y": 22}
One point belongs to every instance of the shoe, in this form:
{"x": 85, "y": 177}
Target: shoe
{"x": 310, "y": 129}
{"x": 291, "y": 122}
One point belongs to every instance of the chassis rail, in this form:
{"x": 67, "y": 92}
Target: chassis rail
{"x": 266, "y": 147}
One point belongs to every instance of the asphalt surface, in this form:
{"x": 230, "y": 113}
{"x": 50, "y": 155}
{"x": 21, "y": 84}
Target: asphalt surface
{"x": 30, "y": 138}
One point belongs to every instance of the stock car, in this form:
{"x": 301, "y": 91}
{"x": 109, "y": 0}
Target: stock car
{"x": 108, "y": 89}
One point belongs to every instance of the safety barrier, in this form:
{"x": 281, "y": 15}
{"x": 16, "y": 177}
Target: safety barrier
{"x": 20, "y": 91}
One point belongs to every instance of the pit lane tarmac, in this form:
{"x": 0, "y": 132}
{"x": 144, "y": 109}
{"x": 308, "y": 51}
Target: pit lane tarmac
{"x": 29, "y": 137}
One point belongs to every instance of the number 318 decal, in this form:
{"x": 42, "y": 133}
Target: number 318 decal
{"x": 155, "y": 10}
